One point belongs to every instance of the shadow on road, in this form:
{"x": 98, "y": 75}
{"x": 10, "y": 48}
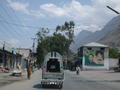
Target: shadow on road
{"x": 78, "y": 79}
{"x": 39, "y": 86}
{"x": 117, "y": 81}
{"x": 113, "y": 72}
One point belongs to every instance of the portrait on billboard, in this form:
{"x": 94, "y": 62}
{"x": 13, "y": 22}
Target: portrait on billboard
{"x": 94, "y": 57}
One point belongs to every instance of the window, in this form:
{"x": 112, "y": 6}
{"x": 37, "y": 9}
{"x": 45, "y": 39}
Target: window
{"x": 89, "y": 48}
{"x": 53, "y": 65}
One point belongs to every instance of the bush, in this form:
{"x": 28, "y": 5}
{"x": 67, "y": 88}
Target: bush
{"x": 113, "y": 53}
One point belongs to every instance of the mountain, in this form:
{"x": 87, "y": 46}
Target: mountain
{"x": 109, "y": 35}
{"x": 78, "y": 39}
{"x": 112, "y": 38}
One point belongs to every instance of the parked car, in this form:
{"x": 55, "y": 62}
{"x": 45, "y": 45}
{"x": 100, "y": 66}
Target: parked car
{"x": 1, "y": 68}
{"x": 16, "y": 72}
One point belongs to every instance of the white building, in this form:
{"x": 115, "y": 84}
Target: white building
{"x": 26, "y": 53}
{"x": 94, "y": 56}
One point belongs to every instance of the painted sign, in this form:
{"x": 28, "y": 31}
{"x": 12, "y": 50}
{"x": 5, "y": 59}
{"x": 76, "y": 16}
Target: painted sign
{"x": 94, "y": 57}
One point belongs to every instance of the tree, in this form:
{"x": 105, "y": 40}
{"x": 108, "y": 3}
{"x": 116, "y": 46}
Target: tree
{"x": 68, "y": 28}
{"x": 42, "y": 33}
{"x": 57, "y": 42}
{"x": 113, "y": 53}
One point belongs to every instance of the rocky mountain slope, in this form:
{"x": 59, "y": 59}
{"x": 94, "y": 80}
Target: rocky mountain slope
{"x": 109, "y": 35}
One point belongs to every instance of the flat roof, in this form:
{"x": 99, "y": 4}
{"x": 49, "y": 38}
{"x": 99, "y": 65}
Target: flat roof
{"x": 94, "y": 44}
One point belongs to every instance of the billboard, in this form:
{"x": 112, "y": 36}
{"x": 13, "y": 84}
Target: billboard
{"x": 94, "y": 57}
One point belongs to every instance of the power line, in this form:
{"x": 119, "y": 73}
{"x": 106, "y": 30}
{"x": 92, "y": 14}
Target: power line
{"x": 20, "y": 25}
{"x": 9, "y": 17}
{"x": 8, "y": 28}
{"x": 16, "y": 16}
{"x": 13, "y": 28}
{"x": 14, "y": 13}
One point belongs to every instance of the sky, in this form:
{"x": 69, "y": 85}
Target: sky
{"x": 20, "y": 20}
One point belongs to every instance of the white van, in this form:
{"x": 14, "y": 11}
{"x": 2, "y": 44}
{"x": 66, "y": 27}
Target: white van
{"x": 52, "y": 70}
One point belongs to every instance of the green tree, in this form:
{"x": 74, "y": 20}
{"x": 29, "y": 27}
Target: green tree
{"x": 113, "y": 53}
{"x": 42, "y": 33}
{"x": 57, "y": 42}
{"x": 68, "y": 28}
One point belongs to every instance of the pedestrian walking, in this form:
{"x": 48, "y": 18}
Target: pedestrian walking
{"x": 29, "y": 71}
{"x": 18, "y": 67}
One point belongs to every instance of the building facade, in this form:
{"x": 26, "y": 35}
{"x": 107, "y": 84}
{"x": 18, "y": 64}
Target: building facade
{"x": 26, "y": 55}
{"x": 94, "y": 56}
{"x": 8, "y": 56}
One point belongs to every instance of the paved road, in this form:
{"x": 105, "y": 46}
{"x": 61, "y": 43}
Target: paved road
{"x": 72, "y": 82}
{"x": 7, "y": 78}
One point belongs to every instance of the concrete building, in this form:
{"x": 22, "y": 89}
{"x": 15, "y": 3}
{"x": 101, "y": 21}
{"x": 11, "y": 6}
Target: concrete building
{"x": 25, "y": 52}
{"x": 94, "y": 56}
{"x": 8, "y": 56}
{"x": 26, "y": 55}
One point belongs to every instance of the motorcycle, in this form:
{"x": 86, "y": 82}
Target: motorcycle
{"x": 77, "y": 72}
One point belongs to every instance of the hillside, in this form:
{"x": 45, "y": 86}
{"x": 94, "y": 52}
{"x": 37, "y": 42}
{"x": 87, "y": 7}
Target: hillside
{"x": 109, "y": 35}
{"x": 78, "y": 39}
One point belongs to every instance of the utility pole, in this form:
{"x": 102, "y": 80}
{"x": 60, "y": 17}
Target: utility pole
{"x": 33, "y": 51}
{"x": 33, "y": 47}
{"x": 4, "y": 56}
{"x": 113, "y": 9}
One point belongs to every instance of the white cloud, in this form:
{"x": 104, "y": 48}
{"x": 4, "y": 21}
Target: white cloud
{"x": 53, "y": 9}
{"x": 18, "y": 6}
{"x": 76, "y": 10}
{"x": 36, "y": 13}
{"x": 23, "y": 7}
{"x": 91, "y": 28}
{"x": 97, "y": 13}
{"x": 93, "y": 14}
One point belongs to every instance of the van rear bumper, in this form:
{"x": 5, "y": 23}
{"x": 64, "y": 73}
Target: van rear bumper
{"x": 51, "y": 82}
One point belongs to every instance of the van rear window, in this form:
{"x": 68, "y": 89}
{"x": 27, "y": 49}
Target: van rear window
{"x": 53, "y": 65}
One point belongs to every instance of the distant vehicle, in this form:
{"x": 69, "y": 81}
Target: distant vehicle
{"x": 1, "y": 68}
{"x": 52, "y": 70}
{"x": 16, "y": 72}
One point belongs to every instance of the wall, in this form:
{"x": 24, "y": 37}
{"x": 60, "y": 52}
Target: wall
{"x": 95, "y": 66}
{"x": 113, "y": 63}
